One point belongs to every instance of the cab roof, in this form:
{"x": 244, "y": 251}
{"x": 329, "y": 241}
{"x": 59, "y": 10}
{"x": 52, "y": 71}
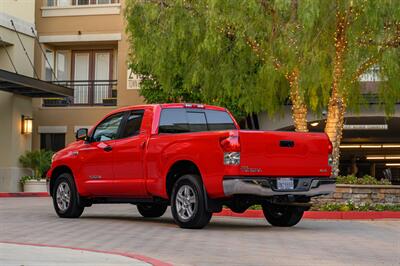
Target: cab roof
{"x": 169, "y": 105}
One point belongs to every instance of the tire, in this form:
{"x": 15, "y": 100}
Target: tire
{"x": 188, "y": 203}
{"x": 152, "y": 210}
{"x": 282, "y": 215}
{"x": 65, "y": 186}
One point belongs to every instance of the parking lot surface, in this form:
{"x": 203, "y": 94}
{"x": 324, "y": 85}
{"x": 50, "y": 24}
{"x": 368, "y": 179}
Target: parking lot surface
{"x": 225, "y": 241}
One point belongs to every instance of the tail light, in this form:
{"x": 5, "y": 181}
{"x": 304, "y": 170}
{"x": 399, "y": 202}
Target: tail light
{"x": 231, "y": 146}
{"x": 330, "y": 157}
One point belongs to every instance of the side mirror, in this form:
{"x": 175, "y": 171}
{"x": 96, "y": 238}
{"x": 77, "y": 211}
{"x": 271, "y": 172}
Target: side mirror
{"x": 82, "y": 134}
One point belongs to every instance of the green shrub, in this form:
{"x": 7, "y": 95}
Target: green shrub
{"x": 365, "y": 180}
{"x": 39, "y": 161}
{"x": 27, "y": 178}
{"x": 350, "y": 206}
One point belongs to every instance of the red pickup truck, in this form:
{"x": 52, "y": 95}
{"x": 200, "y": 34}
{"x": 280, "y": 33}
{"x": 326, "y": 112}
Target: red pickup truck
{"x": 194, "y": 158}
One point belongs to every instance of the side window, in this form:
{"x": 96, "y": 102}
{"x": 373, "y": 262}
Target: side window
{"x": 133, "y": 123}
{"x": 197, "y": 121}
{"x": 219, "y": 120}
{"x": 108, "y": 128}
{"x": 173, "y": 121}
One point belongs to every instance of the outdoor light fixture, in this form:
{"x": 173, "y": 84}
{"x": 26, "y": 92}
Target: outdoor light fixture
{"x": 314, "y": 124}
{"x": 369, "y": 146}
{"x": 393, "y": 164}
{"x": 26, "y": 124}
{"x": 386, "y": 157}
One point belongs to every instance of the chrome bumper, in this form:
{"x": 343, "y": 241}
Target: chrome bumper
{"x": 267, "y": 186}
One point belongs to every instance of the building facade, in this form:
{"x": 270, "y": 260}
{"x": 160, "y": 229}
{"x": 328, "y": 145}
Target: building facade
{"x": 12, "y": 106}
{"x": 83, "y": 46}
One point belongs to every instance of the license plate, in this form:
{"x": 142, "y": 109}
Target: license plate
{"x": 285, "y": 184}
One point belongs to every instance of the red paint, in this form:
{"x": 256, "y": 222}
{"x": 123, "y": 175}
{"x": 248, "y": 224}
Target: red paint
{"x": 146, "y": 259}
{"x": 321, "y": 215}
{"x": 23, "y": 194}
{"x": 138, "y": 166}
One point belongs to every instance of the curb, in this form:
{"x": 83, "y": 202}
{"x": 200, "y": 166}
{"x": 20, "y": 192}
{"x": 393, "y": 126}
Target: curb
{"x": 23, "y": 194}
{"x": 321, "y": 215}
{"x": 142, "y": 258}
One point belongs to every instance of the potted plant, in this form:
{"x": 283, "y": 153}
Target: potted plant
{"x": 39, "y": 161}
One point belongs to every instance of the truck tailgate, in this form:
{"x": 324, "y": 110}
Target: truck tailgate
{"x": 280, "y": 154}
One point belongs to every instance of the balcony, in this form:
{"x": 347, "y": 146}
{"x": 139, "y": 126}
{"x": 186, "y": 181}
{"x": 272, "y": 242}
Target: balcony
{"x": 86, "y": 93}
{"x": 64, "y": 3}
{"x": 62, "y": 8}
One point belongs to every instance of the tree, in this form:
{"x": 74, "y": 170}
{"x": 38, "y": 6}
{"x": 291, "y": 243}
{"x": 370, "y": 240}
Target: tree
{"x": 196, "y": 61}
{"x": 255, "y": 54}
{"x": 366, "y": 34}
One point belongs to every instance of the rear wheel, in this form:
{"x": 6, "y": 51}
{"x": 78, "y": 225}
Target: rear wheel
{"x": 152, "y": 210}
{"x": 282, "y": 215}
{"x": 188, "y": 203}
{"x": 65, "y": 197}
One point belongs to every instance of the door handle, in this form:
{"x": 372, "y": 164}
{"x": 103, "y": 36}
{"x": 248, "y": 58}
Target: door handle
{"x": 286, "y": 143}
{"x": 107, "y": 148}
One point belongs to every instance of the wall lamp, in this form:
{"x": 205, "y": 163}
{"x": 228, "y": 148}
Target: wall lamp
{"x": 26, "y": 124}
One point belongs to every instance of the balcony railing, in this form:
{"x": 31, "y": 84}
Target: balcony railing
{"x": 86, "y": 92}
{"x": 65, "y": 3}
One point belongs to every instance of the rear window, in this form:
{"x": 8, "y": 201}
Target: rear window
{"x": 179, "y": 120}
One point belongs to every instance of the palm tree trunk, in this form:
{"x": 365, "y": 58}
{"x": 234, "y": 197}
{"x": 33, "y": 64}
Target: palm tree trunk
{"x": 299, "y": 108}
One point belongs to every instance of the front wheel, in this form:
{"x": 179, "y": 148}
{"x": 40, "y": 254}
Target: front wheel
{"x": 282, "y": 215}
{"x": 65, "y": 197}
{"x": 188, "y": 203}
{"x": 152, "y": 210}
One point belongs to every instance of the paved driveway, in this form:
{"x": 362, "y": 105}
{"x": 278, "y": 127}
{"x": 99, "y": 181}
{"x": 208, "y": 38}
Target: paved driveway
{"x": 226, "y": 241}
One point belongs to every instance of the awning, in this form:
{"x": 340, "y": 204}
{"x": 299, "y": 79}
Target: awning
{"x": 31, "y": 87}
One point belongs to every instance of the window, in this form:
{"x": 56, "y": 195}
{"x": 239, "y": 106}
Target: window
{"x": 91, "y": 72}
{"x": 218, "y": 120}
{"x": 173, "y": 121}
{"x": 197, "y": 121}
{"x": 133, "y": 123}
{"x": 179, "y": 120}
{"x": 51, "y": 2}
{"x": 82, "y": 2}
{"x": 52, "y": 141}
{"x": 108, "y": 128}
{"x": 62, "y": 63}
{"x": 49, "y": 67}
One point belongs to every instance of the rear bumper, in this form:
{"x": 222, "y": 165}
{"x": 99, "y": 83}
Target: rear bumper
{"x": 264, "y": 186}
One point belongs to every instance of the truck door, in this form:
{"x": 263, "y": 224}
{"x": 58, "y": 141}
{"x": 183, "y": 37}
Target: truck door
{"x": 97, "y": 156}
{"x": 129, "y": 178}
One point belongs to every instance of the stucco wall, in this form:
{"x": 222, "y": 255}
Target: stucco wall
{"x": 12, "y": 142}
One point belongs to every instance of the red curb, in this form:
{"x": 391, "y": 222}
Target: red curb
{"x": 321, "y": 215}
{"x": 142, "y": 258}
{"x": 23, "y": 194}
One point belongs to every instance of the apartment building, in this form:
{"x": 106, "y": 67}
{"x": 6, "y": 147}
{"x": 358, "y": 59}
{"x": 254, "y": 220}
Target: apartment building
{"x": 18, "y": 85}
{"x": 83, "y": 47}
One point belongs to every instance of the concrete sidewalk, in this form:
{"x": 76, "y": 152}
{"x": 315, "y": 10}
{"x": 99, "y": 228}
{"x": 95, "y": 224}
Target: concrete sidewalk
{"x": 27, "y": 255}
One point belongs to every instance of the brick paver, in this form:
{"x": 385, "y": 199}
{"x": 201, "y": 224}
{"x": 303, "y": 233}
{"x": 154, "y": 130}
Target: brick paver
{"x": 227, "y": 241}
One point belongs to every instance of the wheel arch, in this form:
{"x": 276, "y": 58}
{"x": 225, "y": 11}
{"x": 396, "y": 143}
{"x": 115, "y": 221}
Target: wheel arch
{"x": 178, "y": 169}
{"x": 56, "y": 172}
